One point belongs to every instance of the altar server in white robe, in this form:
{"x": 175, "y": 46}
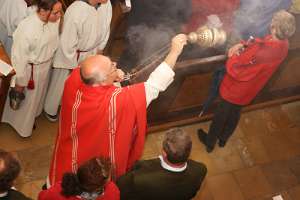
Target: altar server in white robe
{"x": 12, "y": 12}
{"x": 85, "y": 32}
{"x": 34, "y": 42}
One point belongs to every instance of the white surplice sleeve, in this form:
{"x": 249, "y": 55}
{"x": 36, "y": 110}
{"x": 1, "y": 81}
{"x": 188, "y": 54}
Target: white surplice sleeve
{"x": 106, "y": 15}
{"x": 21, "y": 56}
{"x": 67, "y": 52}
{"x": 158, "y": 81}
{"x": 16, "y": 12}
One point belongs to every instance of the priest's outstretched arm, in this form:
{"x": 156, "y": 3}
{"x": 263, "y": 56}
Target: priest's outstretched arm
{"x": 163, "y": 75}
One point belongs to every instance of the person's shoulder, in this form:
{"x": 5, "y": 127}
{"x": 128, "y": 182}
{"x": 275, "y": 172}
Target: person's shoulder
{"x": 146, "y": 167}
{"x": 149, "y": 163}
{"x": 111, "y": 186}
{"x": 16, "y": 195}
{"x": 19, "y": 3}
{"x": 78, "y": 6}
{"x": 78, "y": 10}
{"x": 111, "y": 191}
{"x": 28, "y": 26}
{"x": 197, "y": 166}
{"x": 54, "y": 192}
{"x": 134, "y": 87}
{"x": 74, "y": 76}
{"x": 105, "y": 6}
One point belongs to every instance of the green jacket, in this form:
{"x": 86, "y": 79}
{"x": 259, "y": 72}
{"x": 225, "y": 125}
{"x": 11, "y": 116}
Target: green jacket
{"x": 149, "y": 181}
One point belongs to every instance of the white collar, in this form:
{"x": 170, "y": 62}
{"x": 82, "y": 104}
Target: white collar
{"x": 170, "y": 168}
{"x": 3, "y": 194}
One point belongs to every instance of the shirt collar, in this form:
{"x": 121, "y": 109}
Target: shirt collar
{"x": 170, "y": 168}
{"x": 3, "y": 194}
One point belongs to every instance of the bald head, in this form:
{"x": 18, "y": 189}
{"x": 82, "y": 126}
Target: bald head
{"x": 93, "y": 70}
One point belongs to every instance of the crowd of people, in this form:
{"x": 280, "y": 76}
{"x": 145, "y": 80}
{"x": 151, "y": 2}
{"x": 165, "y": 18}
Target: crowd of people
{"x": 102, "y": 127}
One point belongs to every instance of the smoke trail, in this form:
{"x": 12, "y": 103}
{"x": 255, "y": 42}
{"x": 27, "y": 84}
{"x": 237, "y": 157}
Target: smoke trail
{"x": 254, "y": 16}
{"x": 151, "y": 25}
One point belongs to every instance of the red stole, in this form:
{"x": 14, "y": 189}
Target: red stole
{"x": 99, "y": 121}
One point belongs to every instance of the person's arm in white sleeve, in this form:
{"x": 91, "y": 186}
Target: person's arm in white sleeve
{"x": 107, "y": 15}
{"x": 69, "y": 40}
{"x": 18, "y": 11}
{"x": 20, "y": 58}
{"x": 163, "y": 75}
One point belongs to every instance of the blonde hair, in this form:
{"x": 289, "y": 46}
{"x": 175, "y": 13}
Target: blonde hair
{"x": 284, "y": 24}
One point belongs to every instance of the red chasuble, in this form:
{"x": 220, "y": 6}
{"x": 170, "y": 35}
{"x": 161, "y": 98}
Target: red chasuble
{"x": 99, "y": 121}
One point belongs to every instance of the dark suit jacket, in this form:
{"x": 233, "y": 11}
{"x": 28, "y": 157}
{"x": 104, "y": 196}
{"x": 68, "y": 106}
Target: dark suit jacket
{"x": 14, "y": 195}
{"x": 149, "y": 181}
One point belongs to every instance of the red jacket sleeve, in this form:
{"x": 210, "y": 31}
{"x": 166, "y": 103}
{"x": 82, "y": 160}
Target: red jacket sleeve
{"x": 247, "y": 65}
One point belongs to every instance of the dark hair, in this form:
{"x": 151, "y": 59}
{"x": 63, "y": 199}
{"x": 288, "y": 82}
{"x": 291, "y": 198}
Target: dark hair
{"x": 177, "y": 145}
{"x": 90, "y": 177}
{"x": 45, "y": 4}
{"x": 9, "y": 170}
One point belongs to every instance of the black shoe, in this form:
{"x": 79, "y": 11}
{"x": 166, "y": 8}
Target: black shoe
{"x": 222, "y": 143}
{"x": 44, "y": 187}
{"x": 202, "y": 137}
{"x": 51, "y": 118}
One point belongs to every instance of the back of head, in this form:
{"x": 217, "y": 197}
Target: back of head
{"x": 9, "y": 170}
{"x": 45, "y": 4}
{"x": 177, "y": 144}
{"x": 91, "y": 177}
{"x": 284, "y": 24}
{"x": 93, "y": 69}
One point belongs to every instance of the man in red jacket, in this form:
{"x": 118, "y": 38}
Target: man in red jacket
{"x": 249, "y": 66}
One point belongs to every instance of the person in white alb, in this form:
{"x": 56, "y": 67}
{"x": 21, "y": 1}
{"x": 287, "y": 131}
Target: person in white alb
{"x": 85, "y": 32}
{"x": 34, "y": 42}
{"x": 12, "y": 12}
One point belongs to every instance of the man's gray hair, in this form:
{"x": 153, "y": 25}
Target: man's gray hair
{"x": 284, "y": 24}
{"x": 93, "y": 78}
{"x": 177, "y": 144}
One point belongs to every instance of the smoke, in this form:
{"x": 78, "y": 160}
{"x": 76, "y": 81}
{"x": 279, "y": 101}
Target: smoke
{"x": 146, "y": 41}
{"x": 152, "y": 24}
{"x": 254, "y": 16}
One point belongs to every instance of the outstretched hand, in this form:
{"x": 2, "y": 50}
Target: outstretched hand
{"x": 178, "y": 43}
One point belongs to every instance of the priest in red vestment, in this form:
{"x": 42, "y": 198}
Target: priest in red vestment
{"x": 100, "y": 119}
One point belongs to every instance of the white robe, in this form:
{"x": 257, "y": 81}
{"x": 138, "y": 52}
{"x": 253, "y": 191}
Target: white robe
{"x": 86, "y": 29}
{"x": 11, "y": 13}
{"x": 33, "y": 42}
